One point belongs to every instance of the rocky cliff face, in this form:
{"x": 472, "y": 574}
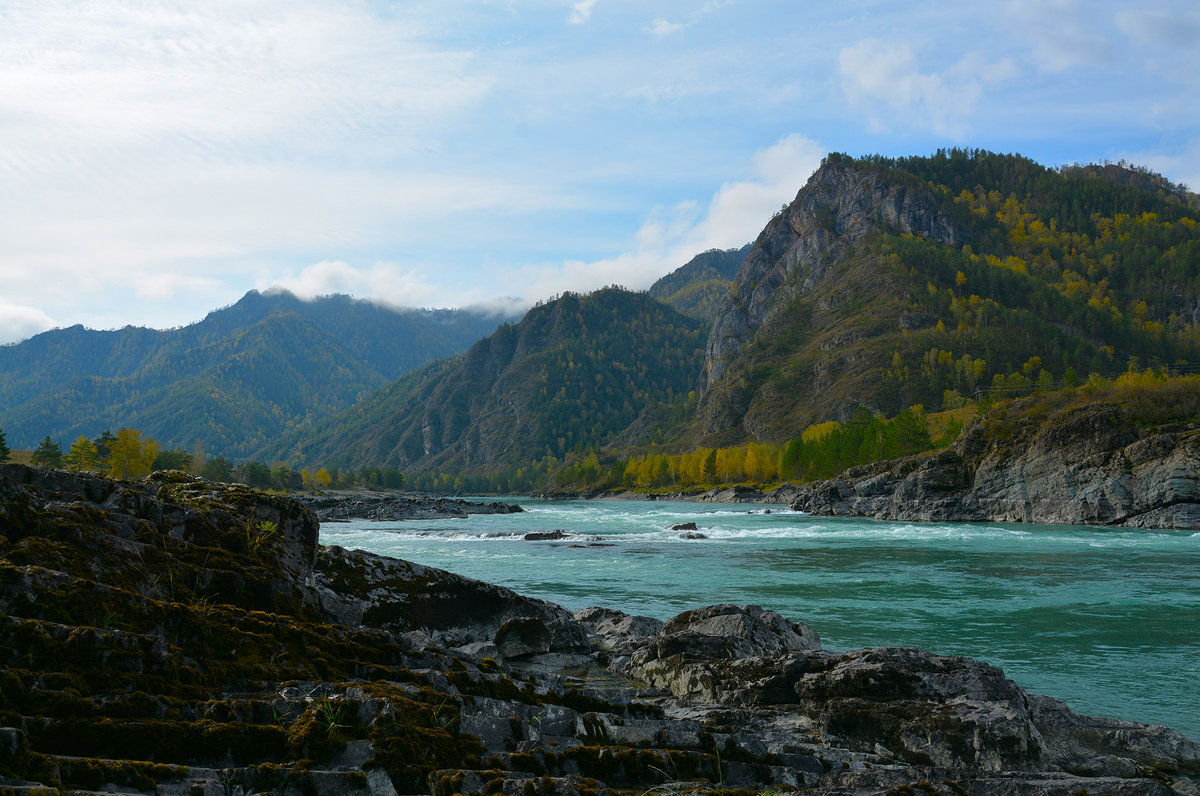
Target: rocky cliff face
{"x": 799, "y": 251}
{"x": 1088, "y": 465}
{"x": 180, "y": 637}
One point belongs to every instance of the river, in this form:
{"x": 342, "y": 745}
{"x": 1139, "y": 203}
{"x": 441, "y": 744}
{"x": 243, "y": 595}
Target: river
{"x": 1105, "y": 619}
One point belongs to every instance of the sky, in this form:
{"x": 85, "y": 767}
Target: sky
{"x": 159, "y": 159}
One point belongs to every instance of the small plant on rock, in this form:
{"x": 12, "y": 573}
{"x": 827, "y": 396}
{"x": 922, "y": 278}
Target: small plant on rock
{"x": 259, "y": 534}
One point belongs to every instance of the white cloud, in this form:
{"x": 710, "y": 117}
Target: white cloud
{"x": 1063, "y": 34}
{"x": 661, "y": 27}
{"x": 670, "y": 237}
{"x": 581, "y": 12}
{"x": 145, "y": 143}
{"x": 884, "y": 79}
{"x": 1160, "y": 27}
{"x": 18, "y": 322}
{"x": 386, "y": 282}
{"x": 165, "y": 286}
{"x": 191, "y": 75}
{"x": 739, "y": 210}
{"x": 500, "y": 307}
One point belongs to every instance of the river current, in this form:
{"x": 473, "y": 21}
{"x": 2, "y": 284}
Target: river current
{"x": 1105, "y": 619}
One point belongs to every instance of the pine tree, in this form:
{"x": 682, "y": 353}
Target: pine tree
{"x": 48, "y": 454}
{"x": 104, "y": 444}
{"x": 4, "y": 451}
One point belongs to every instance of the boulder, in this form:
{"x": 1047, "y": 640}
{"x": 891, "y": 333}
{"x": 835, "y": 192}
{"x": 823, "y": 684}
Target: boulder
{"x": 545, "y": 536}
{"x": 521, "y": 638}
{"x": 681, "y": 658}
{"x": 746, "y": 630}
{"x": 616, "y": 635}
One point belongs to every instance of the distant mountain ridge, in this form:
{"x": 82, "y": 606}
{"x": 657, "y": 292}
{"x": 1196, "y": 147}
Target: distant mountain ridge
{"x": 887, "y": 283}
{"x": 568, "y": 378}
{"x": 234, "y": 381}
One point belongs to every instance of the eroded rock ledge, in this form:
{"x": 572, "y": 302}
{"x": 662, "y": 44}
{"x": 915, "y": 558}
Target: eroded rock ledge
{"x": 176, "y": 636}
{"x": 375, "y": 506}
{"x": 1087, "y": 465}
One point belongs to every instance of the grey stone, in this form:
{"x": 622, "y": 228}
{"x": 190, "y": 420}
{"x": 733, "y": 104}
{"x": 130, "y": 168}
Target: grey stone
{"x": 1084, "y": 466}
{"x": 520, "y": 638}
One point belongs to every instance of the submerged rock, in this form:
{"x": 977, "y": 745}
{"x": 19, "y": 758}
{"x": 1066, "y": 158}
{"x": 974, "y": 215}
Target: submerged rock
{"x": 545, "y": 536}
{"x": 175, "y": 636}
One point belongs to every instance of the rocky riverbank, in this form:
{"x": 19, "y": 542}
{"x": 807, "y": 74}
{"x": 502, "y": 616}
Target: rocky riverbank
{"x": 344, "y": 506}
{"x": 177, "y": 636}
{"x": 1084, "y": 465}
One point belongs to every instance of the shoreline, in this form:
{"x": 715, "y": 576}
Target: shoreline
{"x": 372, "y": 676}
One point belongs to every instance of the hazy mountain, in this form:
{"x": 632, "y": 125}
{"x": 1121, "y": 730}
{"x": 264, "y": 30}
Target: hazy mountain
{"x": 234, "y": 381}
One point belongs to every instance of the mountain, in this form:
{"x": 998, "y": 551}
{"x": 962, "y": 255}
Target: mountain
{"x": 572, "y": 375}
{"x": 891, "y": 282}
{"x": 697, "y": 287}
{"x": 234, "y": 381}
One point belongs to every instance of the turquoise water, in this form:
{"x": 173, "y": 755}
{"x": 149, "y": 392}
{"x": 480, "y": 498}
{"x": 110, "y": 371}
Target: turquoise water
{"x": 1106, "y": 619}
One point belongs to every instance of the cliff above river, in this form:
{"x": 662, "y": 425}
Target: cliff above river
{"x": 177, "y": 636}
{"x": 1126, "y": 457}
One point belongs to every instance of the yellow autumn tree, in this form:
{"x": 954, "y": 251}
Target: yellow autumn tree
{"x": 82, "y": 456}
{"x": 130, "y": 455}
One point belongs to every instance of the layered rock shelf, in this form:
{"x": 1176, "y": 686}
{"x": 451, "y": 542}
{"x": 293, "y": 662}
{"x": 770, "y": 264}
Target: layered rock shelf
{"x": 176, "y": 636}
{"x": 1087, "y": 465}
{"x": 375, "y": 506}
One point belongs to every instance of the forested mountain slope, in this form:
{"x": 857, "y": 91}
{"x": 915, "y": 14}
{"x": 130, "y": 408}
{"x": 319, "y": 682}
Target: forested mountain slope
{"x": 892, "y": 282}
{"x": 697, "y": 287}
{"x": 234, "y": 381}
{"x": 568, "y": 378}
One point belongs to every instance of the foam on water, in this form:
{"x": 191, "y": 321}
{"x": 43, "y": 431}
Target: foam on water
{"x": 1104, "y": 618}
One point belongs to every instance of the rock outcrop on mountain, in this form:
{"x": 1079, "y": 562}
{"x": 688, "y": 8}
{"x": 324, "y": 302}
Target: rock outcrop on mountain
{"x": 839, "y": 206}
{"x": 176, "y": 636}
{"x": 891, "y": 282}
{"x": 808, "y": 261}
{"x": 1091, "y": 464}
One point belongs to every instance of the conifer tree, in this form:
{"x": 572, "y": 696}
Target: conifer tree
{"x": 4, "y": 451}
{"x": 48, "y": 454}
{"x": 104, "y": 444}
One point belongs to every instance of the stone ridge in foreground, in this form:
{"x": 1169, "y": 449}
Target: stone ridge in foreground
{"x": 177, "y": 636}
